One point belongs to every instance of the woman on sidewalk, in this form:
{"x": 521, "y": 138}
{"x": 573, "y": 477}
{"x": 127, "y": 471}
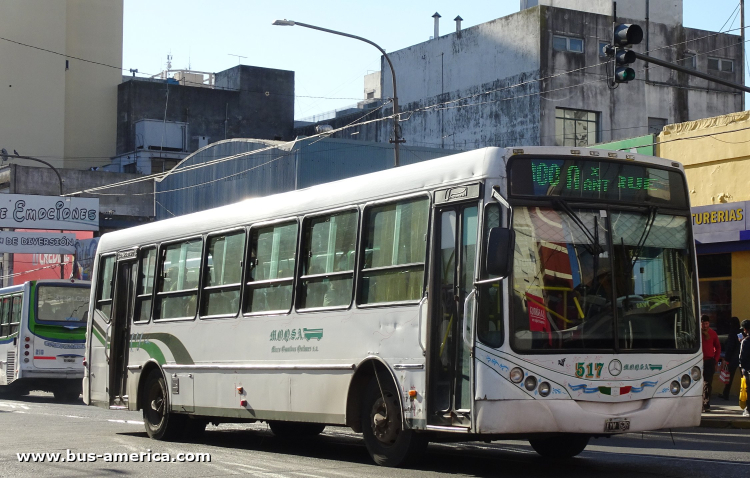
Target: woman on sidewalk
{"x": 745, "y": 356}
{"x": 732, "y": 353}
{"x": 711, "y": 355}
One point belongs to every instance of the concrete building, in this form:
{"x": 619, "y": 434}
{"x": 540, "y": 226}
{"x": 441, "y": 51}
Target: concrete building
{"x": 57, "y": 108}
{"x": 537, "y": 77}
{"x": 162, "y": 121}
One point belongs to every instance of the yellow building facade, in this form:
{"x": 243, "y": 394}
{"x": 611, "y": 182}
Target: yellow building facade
{"x": 57, "y": 107}
{"x": 716, "y": 155}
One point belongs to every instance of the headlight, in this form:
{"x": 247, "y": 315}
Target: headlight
{"x": 685, "y": 381}
{"x": 516, "y": 375}
{"x": 695, "y": 372}
{"x": 544, "y": 389}
{"x": 530, "y": 383}
{"x": 674, "y": 387}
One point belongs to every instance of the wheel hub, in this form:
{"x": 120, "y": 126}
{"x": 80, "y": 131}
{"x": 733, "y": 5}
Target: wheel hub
{"x": 386, "y": 425}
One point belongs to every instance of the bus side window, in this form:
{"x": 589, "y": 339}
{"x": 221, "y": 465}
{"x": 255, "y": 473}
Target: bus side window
{"x": 104, "y": 286}
{"x": 177, "y": 293}
{"x": 271, "y": 266}
{"x": 327, "y": 257}
{"x": 490, "y": 317}
{"x": 16, "y": 313}
{"x": 394, "y": 251}
{"x": 223, "y": 280}
{"x": 145, "y": 286}
{"x": 4, "y": 317}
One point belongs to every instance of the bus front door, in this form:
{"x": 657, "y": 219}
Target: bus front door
{"x": 449, "y": 355}
{"x": 122, "y": 313}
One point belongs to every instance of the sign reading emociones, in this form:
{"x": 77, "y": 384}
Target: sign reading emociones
{"x": 29, "y": 211}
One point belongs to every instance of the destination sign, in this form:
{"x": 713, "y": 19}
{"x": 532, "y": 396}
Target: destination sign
{"x": 599, "y": 180}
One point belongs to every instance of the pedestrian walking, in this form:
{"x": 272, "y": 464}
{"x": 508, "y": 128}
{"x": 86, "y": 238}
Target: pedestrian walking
{"x": 711, "y": 355}
{"x": 745, "y": 356}
{"x": 732, "y": 353}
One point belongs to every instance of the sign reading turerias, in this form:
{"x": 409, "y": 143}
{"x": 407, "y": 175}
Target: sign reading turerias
{"x": 26, "y": 211}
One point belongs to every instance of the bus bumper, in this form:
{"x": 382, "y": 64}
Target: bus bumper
{"x": 571, "y": 416}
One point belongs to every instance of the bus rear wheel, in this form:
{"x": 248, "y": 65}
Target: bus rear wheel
{"x": 160, "y": 423}
{"x": 564, "y": 445}
{"x": 388, "y": 443}
{"x": 291, "y": 430}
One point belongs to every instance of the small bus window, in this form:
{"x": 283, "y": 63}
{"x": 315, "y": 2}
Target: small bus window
{"x": 104, "y": 286}
{"x": 329, "y": 246}
{"x": 394, "y": 253}
{"x": 16, "y": 313}
{"x": 221, "y": 290}
{"x": 61, "y": 303}
{"x": 178, "y": 285}
{"x": 490, "y": 317}
{"x": 5, "y": 317}
{"x": 146, "y": 271}
{"x": 271, "y": 268}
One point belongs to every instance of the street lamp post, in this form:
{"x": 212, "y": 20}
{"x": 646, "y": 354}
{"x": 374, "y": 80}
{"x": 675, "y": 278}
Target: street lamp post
{"x": 6, "y": 156}
{"x": 397, "y": 139}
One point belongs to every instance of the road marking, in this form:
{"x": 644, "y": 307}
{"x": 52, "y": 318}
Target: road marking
{"x": 257, "y": 468}
{"x": 73, "y": 416}
{"x": 129, "y": 422}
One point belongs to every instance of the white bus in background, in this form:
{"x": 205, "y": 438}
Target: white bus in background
{"x": 42, "y": 337}
{"x": 544, "y": 293}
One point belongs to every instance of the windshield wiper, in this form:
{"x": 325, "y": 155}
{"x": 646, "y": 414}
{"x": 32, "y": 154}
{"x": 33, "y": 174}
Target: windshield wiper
{"x": 594, "y": 249}
{"x": 652, "y": 211}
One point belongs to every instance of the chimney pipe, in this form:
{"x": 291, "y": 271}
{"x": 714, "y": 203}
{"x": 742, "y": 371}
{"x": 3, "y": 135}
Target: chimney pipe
{"x": 458, "y": 20}
{"x": 436, "y": 16}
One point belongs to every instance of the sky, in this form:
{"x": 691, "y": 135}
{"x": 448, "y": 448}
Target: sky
{"x": 329, "y": 69}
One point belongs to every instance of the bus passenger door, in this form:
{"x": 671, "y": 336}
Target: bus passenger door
{"x": 119, "y": 334}
{"x": 449, "y": 356}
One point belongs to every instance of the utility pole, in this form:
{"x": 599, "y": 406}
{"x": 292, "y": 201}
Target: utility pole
{"x": 742, "y": 39}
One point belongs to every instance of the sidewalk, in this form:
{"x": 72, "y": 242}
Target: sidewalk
{"x": 725, "y": 414}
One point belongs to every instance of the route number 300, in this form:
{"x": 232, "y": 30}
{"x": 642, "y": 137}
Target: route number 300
{"x": 588, "y": 370}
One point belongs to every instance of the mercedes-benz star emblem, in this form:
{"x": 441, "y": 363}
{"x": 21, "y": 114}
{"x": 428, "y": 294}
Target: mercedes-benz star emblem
{"x": 615, "y": 367}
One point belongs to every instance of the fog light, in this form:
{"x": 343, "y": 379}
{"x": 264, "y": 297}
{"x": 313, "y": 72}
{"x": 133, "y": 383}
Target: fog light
{"x": 516, "y": 375}
{"x": 544, "y": 389}
{"x": 674, "y": 387}
{"x": 530, "y": 383}
{"x": 685, "y": 381}
{"x": 695, "y": 372}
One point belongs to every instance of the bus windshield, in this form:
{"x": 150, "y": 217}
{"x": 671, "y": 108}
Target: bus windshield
{"x": 60, "y": 303}
{"x": 601, "y": 280}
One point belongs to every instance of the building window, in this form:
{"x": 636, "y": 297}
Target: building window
{"x": 130, "y": 168}
{"x": 721, "y": 64}
{"x": 715, "y": 287}
{"x": 370, "y": 95}
{"x": 690, "y": 60}
{"x": 576, "y": 127}
{"x": 655, "y": 125}
{"x": 562, "y": 43}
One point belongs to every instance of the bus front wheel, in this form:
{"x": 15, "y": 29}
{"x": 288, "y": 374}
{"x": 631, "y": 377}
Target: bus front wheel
{"x": 560, "y": 446}
{"x": 388, "y": 443}
{"x": 160, "y": 423}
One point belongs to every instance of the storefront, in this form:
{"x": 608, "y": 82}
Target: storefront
{"x": 722, "y": 241}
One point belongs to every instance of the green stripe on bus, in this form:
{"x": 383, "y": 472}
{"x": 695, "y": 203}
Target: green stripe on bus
{"x": 178, "y": 350}
{"x": 151, "y": 349}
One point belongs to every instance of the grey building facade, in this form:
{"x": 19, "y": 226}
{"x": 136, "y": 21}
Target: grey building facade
{"x": 160, "y": 122}
{"x": 537, "y": 77}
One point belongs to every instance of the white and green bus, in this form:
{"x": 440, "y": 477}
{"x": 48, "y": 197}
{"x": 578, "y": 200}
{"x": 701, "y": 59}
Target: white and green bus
{"x": 42, "y": 337}
{"x": 543, "y": 293}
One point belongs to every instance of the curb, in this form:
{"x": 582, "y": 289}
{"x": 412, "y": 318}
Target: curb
{"x": 725, "y": 423}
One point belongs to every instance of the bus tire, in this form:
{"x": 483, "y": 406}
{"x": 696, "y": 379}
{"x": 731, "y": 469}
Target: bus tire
{"x": 388, "y": 444}
{"x": 564, "y": 445}
{"x": 291, "y": 430}
{"x": 160, "y": 423}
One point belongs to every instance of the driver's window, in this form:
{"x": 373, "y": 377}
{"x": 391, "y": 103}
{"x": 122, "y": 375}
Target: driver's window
{"x": 490, "y": 317}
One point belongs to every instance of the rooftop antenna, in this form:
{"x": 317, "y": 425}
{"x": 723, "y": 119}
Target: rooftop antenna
{"x": 239, "y": 57}
{"x": 169, "y": 62}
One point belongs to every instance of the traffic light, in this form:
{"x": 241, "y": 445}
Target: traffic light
{"x": 624, "y": 36}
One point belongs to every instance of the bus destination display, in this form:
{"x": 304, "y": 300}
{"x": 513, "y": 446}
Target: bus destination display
{"x": 603, "y": 180}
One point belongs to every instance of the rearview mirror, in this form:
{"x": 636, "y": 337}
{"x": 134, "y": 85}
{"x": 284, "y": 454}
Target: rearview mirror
{"x": 500, "y": 246}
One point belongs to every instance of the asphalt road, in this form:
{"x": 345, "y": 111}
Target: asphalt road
{"x": 37, "y": 424}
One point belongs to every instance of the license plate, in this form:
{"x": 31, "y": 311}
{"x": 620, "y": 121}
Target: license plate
{"x": 617, "y": 425}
